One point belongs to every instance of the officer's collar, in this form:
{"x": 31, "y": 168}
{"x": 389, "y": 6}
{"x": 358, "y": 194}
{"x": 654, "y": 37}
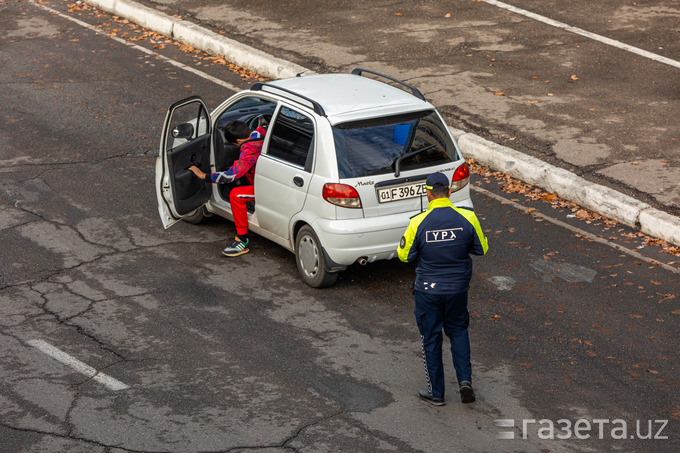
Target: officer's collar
{"x": 439, "y": 203}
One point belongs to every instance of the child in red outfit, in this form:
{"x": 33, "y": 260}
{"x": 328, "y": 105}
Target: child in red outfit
{"x": 250, "y": 142}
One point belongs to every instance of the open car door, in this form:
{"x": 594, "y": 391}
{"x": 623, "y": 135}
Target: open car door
{"x": 185, "y": 142}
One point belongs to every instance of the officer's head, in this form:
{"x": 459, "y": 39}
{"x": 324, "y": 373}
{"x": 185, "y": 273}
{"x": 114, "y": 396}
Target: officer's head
{"x": 437, "y": 185}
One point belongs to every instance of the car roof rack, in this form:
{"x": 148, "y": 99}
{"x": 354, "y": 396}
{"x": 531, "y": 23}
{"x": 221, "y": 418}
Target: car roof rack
{"x": 415, "y": 91}
{"x": 259, "y": 86}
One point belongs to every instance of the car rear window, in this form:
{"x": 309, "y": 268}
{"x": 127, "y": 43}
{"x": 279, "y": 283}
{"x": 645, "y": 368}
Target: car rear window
{"x": 372, "y": 147}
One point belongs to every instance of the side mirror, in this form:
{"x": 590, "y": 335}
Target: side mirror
{"x": 185, "y": 130}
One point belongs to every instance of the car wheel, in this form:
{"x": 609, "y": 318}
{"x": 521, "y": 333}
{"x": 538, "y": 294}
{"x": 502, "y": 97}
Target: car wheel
{"x": 197, "y": 217}
{"x": 310, "y": 260}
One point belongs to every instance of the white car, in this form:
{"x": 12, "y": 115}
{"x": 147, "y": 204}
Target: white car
{"x": 342, "y": 168}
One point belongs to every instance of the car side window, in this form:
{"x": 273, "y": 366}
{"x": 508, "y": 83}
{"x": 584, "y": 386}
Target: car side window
{"x": 291, "y": 138}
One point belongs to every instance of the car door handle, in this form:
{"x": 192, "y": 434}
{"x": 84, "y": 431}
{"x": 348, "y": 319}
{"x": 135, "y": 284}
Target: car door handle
{"x": 298, "y": 181}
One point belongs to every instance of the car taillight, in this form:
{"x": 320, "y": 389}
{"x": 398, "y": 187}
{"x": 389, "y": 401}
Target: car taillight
{"x": 341, "y": 195}
{"x": 460, "y": 178}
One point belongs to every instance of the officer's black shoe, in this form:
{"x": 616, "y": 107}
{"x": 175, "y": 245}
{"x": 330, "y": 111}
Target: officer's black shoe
{"x": 467, "y": 395}
{"x": 427, "y": 396}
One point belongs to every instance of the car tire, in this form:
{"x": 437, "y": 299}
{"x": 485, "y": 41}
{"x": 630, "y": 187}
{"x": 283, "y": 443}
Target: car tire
{"x": 197, "y": 217}
{"x": 310, "y": 259}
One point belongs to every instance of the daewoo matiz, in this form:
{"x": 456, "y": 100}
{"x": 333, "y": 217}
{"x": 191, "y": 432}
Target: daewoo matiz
{"x": 342, "y": 169}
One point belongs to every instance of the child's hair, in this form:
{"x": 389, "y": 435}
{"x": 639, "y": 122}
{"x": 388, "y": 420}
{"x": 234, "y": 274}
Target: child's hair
{"x": 235, "y": 130}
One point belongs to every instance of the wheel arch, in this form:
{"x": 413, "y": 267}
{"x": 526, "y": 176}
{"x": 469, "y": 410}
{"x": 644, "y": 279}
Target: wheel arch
{"x": 330, "y": 265}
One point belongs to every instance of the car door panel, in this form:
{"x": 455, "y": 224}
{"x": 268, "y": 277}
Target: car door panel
{"x": 277, "y": 196}
{"x": 189, "y": 192}
{"x": 186, "y": 141}
{"x": 283, "y": 171}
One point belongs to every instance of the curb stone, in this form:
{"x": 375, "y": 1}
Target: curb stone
{"x": 595, "y": 197}
{"x": 201, "y": 38}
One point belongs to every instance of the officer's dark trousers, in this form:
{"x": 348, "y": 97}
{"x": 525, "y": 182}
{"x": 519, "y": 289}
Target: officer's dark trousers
{"x": 449, "y": 312}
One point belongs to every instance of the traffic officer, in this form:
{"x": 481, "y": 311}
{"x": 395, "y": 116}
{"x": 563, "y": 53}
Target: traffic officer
{"x": 441, "y": 239}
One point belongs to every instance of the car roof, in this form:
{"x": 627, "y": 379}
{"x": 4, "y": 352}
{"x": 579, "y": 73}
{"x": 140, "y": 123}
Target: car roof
{"x": 350, "y": 97}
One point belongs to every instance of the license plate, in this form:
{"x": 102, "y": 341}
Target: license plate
{"x": 401, "y": 192}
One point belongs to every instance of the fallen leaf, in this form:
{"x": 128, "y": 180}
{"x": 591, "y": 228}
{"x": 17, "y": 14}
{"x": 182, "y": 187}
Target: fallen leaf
{"x": 675, "y": 413}
{"x": 447, "y": 15}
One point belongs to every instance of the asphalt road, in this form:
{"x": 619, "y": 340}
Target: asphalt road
{"x": 573, "y": 318}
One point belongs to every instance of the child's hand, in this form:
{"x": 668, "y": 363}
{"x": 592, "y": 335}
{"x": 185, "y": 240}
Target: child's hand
{"x": 197, "y": 171}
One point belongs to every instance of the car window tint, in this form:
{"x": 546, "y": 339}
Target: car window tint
{"x": 291, "y": 138}
{"x": 371, "y": 147}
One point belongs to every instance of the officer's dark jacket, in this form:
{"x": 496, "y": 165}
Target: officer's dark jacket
{"x": 442, "y": 239}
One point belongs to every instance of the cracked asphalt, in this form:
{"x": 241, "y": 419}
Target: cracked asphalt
{"x": 572, "y": 318}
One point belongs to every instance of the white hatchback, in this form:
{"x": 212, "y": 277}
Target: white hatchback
{"x": 342, "y": 169}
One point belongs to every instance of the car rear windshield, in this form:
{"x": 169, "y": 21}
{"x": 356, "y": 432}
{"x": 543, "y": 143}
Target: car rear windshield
{"x": 373, "y": 147}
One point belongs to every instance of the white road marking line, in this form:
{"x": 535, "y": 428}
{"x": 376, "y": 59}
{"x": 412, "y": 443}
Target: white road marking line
{"x": 141, "y": 49}
{"x": 77, "y": 365}
{"x": 587, "y": 34}
{"x": 562, "y": 224}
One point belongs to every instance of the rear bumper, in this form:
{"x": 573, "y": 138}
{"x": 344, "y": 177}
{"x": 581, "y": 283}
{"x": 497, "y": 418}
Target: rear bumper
{"x": 373, "y": 238}
{"x": 345, "y": 241}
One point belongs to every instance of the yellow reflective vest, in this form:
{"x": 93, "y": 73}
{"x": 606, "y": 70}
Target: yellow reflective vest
{"x": 442, "y": 239}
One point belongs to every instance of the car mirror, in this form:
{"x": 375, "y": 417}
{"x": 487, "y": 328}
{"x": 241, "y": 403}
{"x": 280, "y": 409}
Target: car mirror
{"x": 185, "y": 130}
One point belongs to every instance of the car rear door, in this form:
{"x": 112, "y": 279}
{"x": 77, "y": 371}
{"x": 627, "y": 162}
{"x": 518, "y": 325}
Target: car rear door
{"x": 283, "y": 170}
{"x": 185, "y": 142}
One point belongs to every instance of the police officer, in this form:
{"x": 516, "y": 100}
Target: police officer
{"x": 441, "y": 239}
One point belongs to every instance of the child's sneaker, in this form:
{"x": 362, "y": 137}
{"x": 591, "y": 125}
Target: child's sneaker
{"x": 237, "y": 248}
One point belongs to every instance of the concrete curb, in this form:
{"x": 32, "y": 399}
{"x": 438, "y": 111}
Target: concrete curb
{"x": 595, "y": 197}
{"x": 189, "y": 33}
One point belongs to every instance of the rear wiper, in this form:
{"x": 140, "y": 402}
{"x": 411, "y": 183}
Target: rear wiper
{"x": 397, "y": 162}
